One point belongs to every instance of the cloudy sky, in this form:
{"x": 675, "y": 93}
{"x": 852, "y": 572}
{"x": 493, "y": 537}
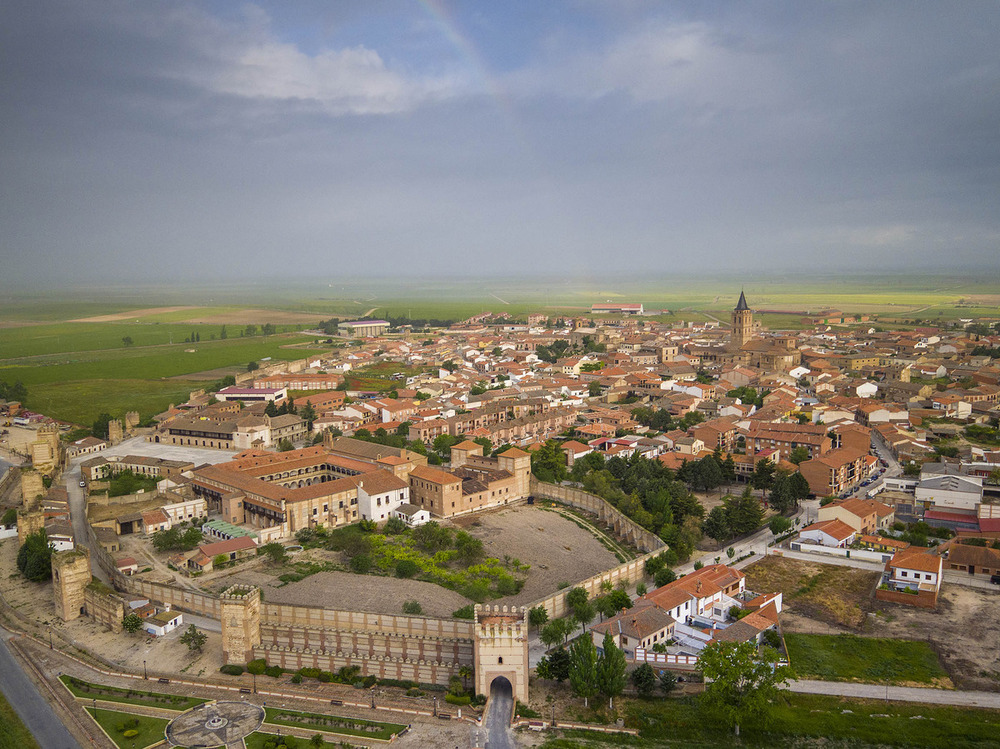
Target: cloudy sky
{"x": 151, "y": 140}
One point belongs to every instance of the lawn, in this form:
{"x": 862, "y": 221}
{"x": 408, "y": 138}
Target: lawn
{"x": 150, "y": 730}
{"x": 13, "y": 733}
{"x": 800, "y": 720}
{"x": 256, "y": 741}
{"x": 369, "y": 729}
{"x": 867, "y": 659}
{"x": 89, "y": 691}
{"x": 82, "y": 402}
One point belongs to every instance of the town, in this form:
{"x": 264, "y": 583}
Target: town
{"x": 519, "y": 517}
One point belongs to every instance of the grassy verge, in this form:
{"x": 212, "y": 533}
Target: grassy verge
{"x": 333, "y": 724}
{"x": 13, "y": 733}
{"x": 799, "y": 720}
{"x": 89, "y": 691}
{"x": 149, "y": 731}
{"x": 852, "y": 658}
{"x": 258, "y": 740}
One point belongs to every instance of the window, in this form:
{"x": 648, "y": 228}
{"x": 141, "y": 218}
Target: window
{"x": 902, "y": 574}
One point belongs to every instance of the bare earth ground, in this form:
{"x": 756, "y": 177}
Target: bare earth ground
{"x": 119, "y": 316}
{"x": 347, "y": 591}
{"x": 838, "y": 596}
{"x": 558, "y": 550}
{"x": 964, "y": 630}
{"x": 217, "y": 317}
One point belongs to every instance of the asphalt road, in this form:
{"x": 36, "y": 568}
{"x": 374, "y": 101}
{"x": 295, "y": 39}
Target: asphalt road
{"x": 497, "y": 722}
{"x": 32, "y": 708}
{"x": 899, "y": 694}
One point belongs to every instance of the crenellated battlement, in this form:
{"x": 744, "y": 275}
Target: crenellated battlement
{"x": 501, "y": 647}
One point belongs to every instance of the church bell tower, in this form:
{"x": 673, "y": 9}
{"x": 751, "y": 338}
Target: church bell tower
{"x": 742, "y": 323}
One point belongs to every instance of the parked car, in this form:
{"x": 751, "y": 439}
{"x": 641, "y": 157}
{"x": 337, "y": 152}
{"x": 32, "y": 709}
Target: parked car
{"x": 83, "y": 484}
{"x": 995, "y": 579}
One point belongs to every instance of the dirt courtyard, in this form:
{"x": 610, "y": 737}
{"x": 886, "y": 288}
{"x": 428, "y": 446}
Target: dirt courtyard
{"x": 558, "y": 550}
{"x": 827, "y": 599}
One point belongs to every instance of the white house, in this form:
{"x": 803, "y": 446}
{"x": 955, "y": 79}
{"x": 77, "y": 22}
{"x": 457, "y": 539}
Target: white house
{"x": 835, "y": 533}
{"x": 380, "y": 494}
{"x": 915, "y": 568}
{"x": 163, "y": 622}
{"x": 866, "y": 390}
{"x": 412, "y": 515}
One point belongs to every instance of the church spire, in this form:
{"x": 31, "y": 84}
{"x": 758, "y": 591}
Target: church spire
{"x": 741, "y": 305}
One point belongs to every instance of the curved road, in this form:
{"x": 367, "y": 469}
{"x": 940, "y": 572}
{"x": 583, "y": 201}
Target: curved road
{"x": 29, "y": 704}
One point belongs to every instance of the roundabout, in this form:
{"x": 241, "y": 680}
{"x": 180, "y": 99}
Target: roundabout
{"x": 215, "y": 724}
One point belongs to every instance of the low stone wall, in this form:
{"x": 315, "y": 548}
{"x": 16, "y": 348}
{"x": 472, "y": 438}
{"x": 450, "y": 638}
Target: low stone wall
{"x": 9, "y": 477}
{"x": 371, "y": 644}
{"x": 104, "y": 608}
{"x": 924, "y": 599}
{"x": 356, "y": 621}
{"x": 383, "y": 668}
{"x": 626, "y": 529}
{"x": 178, "y": 598}
{"x": 629, "y": 573}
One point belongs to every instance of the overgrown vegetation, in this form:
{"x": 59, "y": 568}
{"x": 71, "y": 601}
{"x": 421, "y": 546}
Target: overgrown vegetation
{"x": 430, "y": 552}
{"x": 847, "y": 657}
{"x": 90, "y": 691}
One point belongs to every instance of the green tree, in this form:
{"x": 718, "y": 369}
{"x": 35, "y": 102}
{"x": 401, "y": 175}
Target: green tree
{"x": 412, "y": 607}
{"x": 782, "y": 496}
{"x": 548, "y": 463}
{"x": 577, "y": 597}
{"x": 9, "y": 518}
{"x": 644, "y": 680}
{"x": 559, "y": 662}
{"x": 132, "y": 623}
{"x": 308, "y": 415}
{"x": 668, "y": 682}
{"x": 538, "y": 616}
{"x": 100, "y": 426}
{"x": 223, "y": 334}
{"x": 664, "y": 577}
{"x": 34, "y": 558}
{"x": 745, "y": 513}
{"x": 583, "y": 668}
{"x": 799, "y": 454}
{"x": 742, "y": 683}
{"x": 779, "y": 524}
{"x": 274, "y": 552}
{"x": 716, "y": 524}
{"x": 127, "y": 341}
{"x": 763, "y": 475}
{"x": 584, "y": 614}
{"x": 194, "y": 638}
{"x": 252, "y": 366}
{"x": 285, "y": 445}
{"x": 610, "y": 670}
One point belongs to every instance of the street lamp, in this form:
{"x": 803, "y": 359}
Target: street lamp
{"x": 144, "y": 675}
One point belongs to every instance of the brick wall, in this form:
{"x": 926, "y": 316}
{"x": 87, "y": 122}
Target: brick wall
{"x": 924, "y": 599}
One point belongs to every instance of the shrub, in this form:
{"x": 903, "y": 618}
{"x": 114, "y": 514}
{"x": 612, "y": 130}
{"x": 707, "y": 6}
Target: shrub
{"x": 325, "y": 676}
{"x": 257, "y": 667}
{"x": 273, "y": 671}
{"x": 130, "y": 733}
{"x": 406, "y": 568}
{"x": 466, "y": 612}
{"x": 361, "y": 564}
{"x": 232, "y": 669}
{"x": 452, "y": 699}
{"x": 699, "y": 564}
{"x": 297, "y": 679}
{"x": 310, "y": 673}
{"x": 369, "y": 681}
{"x": 412, "y": 607}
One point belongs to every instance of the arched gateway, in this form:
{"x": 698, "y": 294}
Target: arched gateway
{"x": 501, "y": 650}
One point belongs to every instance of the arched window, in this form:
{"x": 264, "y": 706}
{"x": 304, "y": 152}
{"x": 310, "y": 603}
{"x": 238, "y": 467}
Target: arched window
{"x": 500, "y": 660}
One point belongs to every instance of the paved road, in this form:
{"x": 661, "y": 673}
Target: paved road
{"x": 497, "y": 720}
{"x": 32, "y": 708}
{"x": 900, "y": 694}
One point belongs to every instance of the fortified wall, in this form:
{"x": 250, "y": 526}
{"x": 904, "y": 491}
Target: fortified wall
{"x": 626, "y": 529}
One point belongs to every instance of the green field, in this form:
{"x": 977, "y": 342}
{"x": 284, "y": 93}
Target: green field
{"x": 78, "y": 386}
{"x": 370, "y": 729}
{"x": 150, "y": 730}
{"x": 868, "y": 659}
{"x": 13, "y": 733}
{"x": 89, "y": 691}
{"x": 799, "y": 720}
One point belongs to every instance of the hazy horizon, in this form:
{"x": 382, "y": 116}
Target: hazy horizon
{"x": 205, "y": 142}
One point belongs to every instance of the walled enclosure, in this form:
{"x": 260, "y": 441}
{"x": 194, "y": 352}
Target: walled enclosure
{"x": 70, "y": 578}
